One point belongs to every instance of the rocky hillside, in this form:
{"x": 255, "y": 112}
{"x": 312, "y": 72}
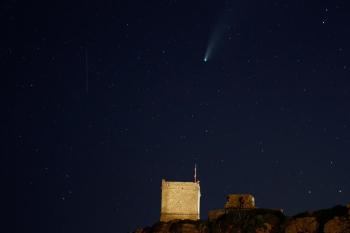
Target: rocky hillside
{"x": 334, "y": 220}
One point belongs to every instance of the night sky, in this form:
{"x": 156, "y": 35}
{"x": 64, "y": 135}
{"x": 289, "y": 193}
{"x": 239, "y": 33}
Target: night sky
{"x": 106, "y": 98}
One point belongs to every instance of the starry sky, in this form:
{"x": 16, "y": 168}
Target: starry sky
{"x": 106, "y": 98}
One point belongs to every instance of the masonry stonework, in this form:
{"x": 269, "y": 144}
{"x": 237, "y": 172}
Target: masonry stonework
{"x": 180, "y": 200}
{"x": 235, "y": 202}
{"x": 240, "y": 201}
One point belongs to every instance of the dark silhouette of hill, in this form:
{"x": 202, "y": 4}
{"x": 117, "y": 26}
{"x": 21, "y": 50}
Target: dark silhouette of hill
{"x": 332, "y": 220}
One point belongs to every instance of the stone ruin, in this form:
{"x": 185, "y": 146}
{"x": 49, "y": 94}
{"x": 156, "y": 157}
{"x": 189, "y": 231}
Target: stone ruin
{"x": 240, "y": 201}
{"x": 234, "y": 202}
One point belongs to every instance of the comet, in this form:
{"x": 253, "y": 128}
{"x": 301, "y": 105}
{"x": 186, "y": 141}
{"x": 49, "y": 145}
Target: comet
{"x": 216, "y": 37}
{"x": 208, "y": 52}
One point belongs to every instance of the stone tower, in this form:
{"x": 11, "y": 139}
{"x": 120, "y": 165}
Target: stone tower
{"x": 180, "y": 200}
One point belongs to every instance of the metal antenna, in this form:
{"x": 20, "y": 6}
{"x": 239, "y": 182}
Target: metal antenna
{"x": 195, "y": 173}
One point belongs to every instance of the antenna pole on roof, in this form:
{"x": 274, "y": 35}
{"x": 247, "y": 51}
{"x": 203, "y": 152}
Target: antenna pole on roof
{"x": 195, "y": 173}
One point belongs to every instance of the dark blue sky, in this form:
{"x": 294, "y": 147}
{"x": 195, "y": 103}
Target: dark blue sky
{"x": 106, "y": 98}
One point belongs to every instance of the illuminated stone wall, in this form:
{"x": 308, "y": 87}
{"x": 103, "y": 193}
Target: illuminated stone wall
{"x": 180, "y": 200}
{"x": 240, "y": 201}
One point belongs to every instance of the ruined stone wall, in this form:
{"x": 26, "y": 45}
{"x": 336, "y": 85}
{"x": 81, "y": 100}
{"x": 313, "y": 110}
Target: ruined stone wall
{"x": 180, "y": 200}
{"x": 240, "y": 201}
{"x": 215, "y": 214}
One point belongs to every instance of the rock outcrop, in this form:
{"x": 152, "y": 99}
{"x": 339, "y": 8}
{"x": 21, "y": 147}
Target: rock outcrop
{"x": 337, "y": 225}
{"x": 333, "y": 220}
{"x": 306, "y": 224}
